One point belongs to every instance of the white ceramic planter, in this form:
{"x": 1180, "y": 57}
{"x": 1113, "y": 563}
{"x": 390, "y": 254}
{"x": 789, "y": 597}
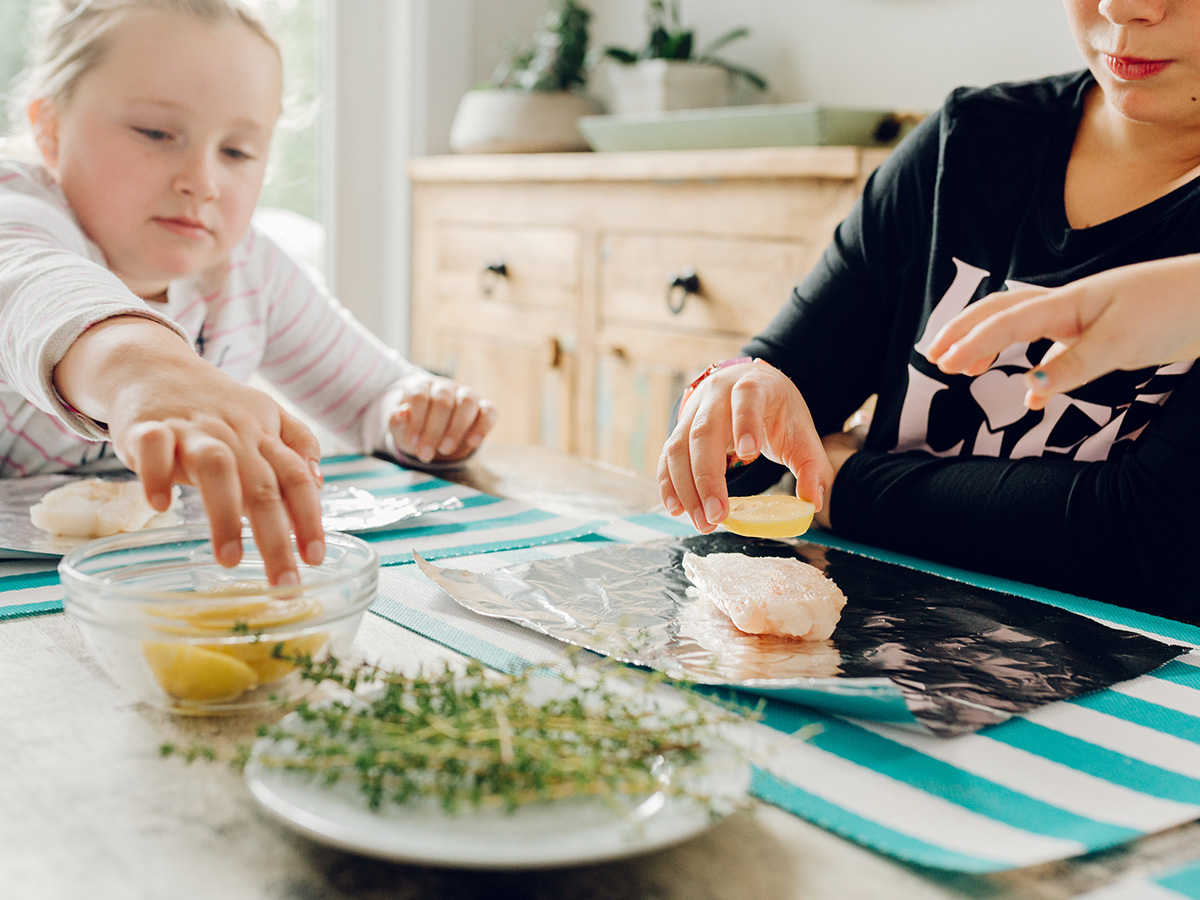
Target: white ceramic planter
{"x": 658, "y": 85}
{"x": 508, "y": 121}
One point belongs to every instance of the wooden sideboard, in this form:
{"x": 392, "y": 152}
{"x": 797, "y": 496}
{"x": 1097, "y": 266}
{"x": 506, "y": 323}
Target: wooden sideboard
{"x": 544, "y": 280}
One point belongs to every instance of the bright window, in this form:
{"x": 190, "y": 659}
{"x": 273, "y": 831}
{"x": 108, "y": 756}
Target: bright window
{"x": 293, "y": 181}
{"x": 15, "y": 35}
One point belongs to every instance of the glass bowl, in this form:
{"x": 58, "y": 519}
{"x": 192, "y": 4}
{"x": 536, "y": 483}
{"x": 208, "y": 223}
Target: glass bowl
{"x": 181, "y": 632}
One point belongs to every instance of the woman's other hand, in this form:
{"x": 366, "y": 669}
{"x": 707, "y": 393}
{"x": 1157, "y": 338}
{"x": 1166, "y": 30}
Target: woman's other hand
{"x": 1126, "y": 318}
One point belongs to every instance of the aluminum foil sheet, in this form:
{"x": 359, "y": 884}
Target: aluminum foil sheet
{"x": 911, "y": 647}
{"x": 343, "y": 508}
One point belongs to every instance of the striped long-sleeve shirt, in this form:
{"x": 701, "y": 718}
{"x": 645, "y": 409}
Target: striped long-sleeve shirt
{"x": 260, "y": 312}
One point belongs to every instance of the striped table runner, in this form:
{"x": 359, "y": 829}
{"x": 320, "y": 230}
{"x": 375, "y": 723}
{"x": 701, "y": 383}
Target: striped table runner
{"x": 1182, "y": 883}
{"x": 484, "y": 524}
{"x": 1064, "y": 780}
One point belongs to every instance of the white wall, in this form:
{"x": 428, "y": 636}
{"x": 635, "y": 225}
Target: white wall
{"x": 896, "y": 53}
{"x": 399, "y": 69}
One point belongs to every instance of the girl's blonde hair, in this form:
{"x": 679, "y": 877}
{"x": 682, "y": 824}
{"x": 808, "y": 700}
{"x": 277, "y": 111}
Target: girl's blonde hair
{"x": 73, "y": 36}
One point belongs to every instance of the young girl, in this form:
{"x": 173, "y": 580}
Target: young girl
{"x": 1033, "y": 185}
{"x": 136, "y": 298}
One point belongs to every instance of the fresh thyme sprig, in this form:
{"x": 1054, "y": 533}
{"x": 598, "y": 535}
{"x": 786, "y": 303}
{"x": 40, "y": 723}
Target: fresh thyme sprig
{"x": 479, "y": 739}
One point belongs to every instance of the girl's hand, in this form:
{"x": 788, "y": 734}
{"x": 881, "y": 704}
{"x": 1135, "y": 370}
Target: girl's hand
{"x": 436, "y": 419}
{"x": 1126, "y": 318}
{"x": 748, "y": 410}
{"x": 174, "y": 418}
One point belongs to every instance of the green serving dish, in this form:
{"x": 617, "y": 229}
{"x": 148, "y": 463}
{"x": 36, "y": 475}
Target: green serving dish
{"x": 774, "y": 125}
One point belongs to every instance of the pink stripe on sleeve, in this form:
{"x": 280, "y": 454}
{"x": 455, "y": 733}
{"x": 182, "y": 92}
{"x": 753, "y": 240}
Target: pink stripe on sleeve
{"x": 300, "y": 313}
{"x": 21, "y": 470}
{"x": 234, "y": 329}
{"x": 280, "y": 295}
{"x": 207, "y": 298}
{"x": 346, "y": 361}
{"x": 24, "y": 436}
{"x": 354, "y": 389}
{"x": 316, "y": 359}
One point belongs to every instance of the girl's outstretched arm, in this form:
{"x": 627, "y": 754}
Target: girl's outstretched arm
{"x": 173, "y": 417}
{"x": 1125, "y": 318}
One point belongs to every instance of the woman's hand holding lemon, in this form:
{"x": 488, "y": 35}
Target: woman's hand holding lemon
{"x": 744, "y": 410}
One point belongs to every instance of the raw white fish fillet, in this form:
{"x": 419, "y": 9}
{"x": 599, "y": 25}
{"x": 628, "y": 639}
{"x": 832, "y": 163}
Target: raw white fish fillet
{"x": 93, "y": 507}
{"x": 768, "y": 594}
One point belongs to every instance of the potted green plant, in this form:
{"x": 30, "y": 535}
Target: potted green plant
{"x": 669, "y": 72}
{"x": 534, "y": 98}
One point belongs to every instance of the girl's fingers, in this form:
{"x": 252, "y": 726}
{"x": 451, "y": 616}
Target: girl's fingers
{"x": 439, "y": 411}
{"x": 210, "y": 465}
{"x": 675, "y": 482}
{"x": 462, "y": 418}
{"x": 270, "y": 522}
{"x": 418, "y": 409}
{"x": 485, "y": 418}
{"x": 297, "y": 436}
{"x": 299, "y": 481}
{"x": 149, "y": 450}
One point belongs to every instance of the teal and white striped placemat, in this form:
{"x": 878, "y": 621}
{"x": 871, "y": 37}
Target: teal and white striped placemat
{"x": 1063, "y": 780}
{"x": 484, "y": 524}
{"x": 1182, "y": 883}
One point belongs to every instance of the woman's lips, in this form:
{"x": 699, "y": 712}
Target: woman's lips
{"x": 1129, "y": 68}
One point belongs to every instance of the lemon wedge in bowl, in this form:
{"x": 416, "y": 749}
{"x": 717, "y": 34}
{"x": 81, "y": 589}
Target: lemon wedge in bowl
{"x": 769, "y": 516}
{"x": 198, "y": 674}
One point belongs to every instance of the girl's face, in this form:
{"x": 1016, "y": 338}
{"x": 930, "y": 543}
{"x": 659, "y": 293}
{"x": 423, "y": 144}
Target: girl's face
{"x": 162, "y": 147}
{"x": 1145, "y": 55}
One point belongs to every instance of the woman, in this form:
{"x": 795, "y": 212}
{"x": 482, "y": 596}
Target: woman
{"x": 1037, "y": 185}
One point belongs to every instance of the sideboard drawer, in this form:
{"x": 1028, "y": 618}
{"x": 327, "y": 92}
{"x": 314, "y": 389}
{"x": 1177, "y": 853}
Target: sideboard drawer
{"x": 738, "y": 282}
{"x": 501, "y": 266}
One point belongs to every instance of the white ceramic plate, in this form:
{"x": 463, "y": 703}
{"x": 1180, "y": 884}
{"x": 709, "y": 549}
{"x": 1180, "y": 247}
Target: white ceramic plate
{"x": 557, "y": 833}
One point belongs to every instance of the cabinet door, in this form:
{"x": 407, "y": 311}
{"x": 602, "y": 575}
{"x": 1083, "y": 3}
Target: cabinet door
{"x": 524, "y": 269}
{"x": 639, "y": 375}
{"x": 654, "y": 339}
{"x": 529, "y": 375}
{"x": 495, "y": 309}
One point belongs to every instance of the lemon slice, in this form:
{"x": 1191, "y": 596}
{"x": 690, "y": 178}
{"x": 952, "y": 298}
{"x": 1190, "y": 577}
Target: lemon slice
{"x": 198, "y": 674}
{"x": 252, "y": 614}
{"x": 260, "y": 655}
{"x": 769, "y": 516}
